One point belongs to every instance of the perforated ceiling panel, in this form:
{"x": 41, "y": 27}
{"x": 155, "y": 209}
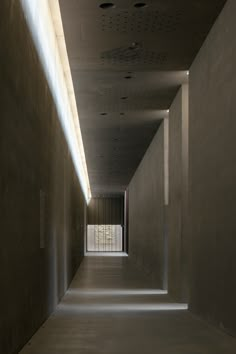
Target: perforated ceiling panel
{"x": 127, "y": 64}
{"x": 133, "y": 55}
{"x": 137, "y": 21}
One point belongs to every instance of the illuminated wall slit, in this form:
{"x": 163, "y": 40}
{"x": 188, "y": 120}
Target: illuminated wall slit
{"x": 44, "y": 20}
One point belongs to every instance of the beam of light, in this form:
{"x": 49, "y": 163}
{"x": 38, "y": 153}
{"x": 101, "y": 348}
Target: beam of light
{"x": 142, "y": 307}
{"x": 115, "y": 292}
{"x": 106, "y": 254}
{"x": 44, "y": 21}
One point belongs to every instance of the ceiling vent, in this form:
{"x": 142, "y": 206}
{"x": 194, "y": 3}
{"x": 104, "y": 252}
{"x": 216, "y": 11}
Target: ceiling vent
{"x": 134, "y": 54}
{"x": 133, "y": 21}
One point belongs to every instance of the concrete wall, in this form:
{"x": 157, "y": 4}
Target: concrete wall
{"x": 34, "y": 157}
{"x": 212, "y": 169}
{"x": 175, "y": 197}
{"x": 146, "y": 211}
{"x": 106, "y": 211}
{"x": 177, "y": 210}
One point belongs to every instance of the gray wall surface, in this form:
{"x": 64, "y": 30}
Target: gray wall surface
{"x": 146, "y": 211}
{"x": 212, "y": 169}
{"x": 106, "y": 211}
{"x": 175, "y": 198}
{"x": 178, "y": 184}
{"x": 34, "y": 156}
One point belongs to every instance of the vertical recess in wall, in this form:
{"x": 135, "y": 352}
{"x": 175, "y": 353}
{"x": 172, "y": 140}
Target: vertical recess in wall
{"x": 42, "y": 218}
{"x": 185, "y": 185}
{"x": 126, "y": 222}
{"x": 166, "y": 201}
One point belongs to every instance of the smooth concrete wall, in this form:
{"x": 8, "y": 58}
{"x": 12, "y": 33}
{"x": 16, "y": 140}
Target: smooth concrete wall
{"x": 178, "y": 196}
{"x": 146, "y": 211}
{"x": 41, "y": 203}
{"x": 175, "y": 198}
{"x": 106, "y": 211}
{"x": 212, "y": 169}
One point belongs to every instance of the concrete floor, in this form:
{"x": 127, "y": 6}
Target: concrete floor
{"x": 111, "y": 307}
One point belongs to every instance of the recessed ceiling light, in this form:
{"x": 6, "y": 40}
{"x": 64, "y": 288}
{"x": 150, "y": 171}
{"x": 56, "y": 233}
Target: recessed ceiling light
{"x": 139, "y": 5}
{"x": 124, "y": 98}
{"x": 106, "y": 5}
{"x": 134, "y": 46}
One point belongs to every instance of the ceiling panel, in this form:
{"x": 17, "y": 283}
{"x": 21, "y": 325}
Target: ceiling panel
{"x": 127, "y": 64}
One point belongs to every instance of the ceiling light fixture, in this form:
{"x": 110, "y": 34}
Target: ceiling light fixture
{"x": 134, "y": 46}
{"x": 140, "y": 5}
{"x": 107, "y": 5}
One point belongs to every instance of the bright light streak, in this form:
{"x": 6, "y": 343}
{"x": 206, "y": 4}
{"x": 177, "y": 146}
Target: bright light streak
{"x": 44, "y": 20}
{"x": 93, "y": 308}
{"x": 105, "y": 254}
{"x": 115, "y": 292}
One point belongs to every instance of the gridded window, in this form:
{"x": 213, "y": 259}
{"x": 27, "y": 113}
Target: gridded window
{"x": 104, "y": 238}
{"x": 105, "y": 220}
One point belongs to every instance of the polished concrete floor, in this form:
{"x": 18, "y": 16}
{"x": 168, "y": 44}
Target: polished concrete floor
{"x": 112, "y": 308}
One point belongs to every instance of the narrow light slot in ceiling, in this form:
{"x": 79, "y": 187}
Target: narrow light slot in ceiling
{"x": 107, "y": 5}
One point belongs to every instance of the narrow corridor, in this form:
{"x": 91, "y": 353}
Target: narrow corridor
{"x": 112, "y": 307}
{"x": 118, "y": 134}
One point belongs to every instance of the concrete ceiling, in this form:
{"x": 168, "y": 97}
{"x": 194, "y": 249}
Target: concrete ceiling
{"x": 127, "y": 64}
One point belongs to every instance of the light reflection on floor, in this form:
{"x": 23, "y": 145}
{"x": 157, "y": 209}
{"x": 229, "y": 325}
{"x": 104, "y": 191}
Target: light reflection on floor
{"x": 115, "y": 292}
{"x": 113, "y": 307}
{"x": 106, "y": 254}
{"x": 124, "y": 307}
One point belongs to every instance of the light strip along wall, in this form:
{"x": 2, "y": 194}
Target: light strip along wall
{"x": 44, "y": 20}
